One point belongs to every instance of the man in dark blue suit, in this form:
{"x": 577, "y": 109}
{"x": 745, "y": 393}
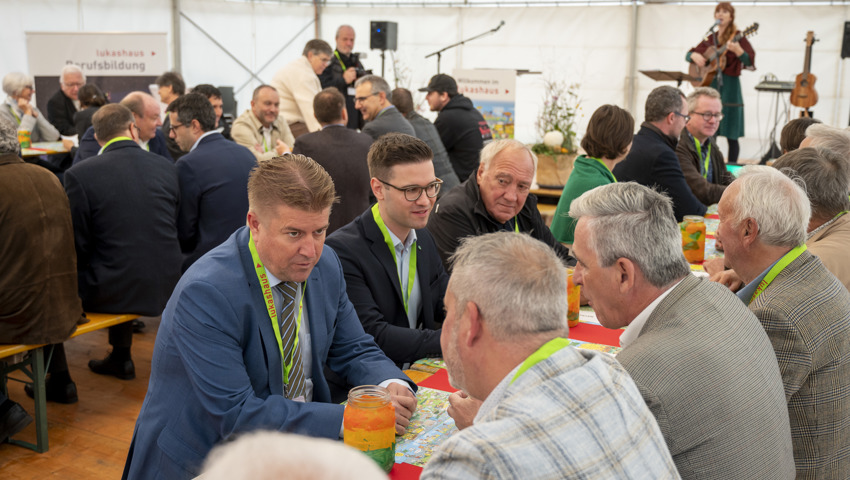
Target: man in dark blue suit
{"x": 213, "y": 177}
{"x": 220, "y": 367}
{"x": 146, "y": 114}
{"x": 124, "y": 210}
{"x": 652, "y": 160}
{"x": 393, "y": 271}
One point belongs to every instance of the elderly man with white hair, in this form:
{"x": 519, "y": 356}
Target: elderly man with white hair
{"x": 702, "y": 361}
{"x": 831, "y": 138}
{"x": 549, "y": 410}
{"x": 65, "y": 103}
{"x": 20, "y": 108}
{"x": 496, "y": 198}
{"x": 803, "y": 308}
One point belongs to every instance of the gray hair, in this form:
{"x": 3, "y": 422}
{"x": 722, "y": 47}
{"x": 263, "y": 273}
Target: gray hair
{"x": 827, "y": 178}
{"x": 517, "y": 282}
{"x": 15, "y": 82}
{"x": 378, "y": 85}
{"x": 661, "y": 102}
{"x": 339, "y": 29}
{"x": 71, "y": 68}
{"x": 693, "y": 97}
{"x": 836, "y": 140}
{"x": 268, "y": 454}
{"x": 628, "y": 220}
{"x": 777, "y": 203}
{"x": 489, "y": 152}
{"x": 8, "y": 137}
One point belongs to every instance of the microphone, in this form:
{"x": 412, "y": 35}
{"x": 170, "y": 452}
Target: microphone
{"x": 712, "y": 29}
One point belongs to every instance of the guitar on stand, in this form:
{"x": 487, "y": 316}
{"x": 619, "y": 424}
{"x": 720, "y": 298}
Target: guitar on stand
{"x": 804, "y": 95}
{"x": 716, "y": 60}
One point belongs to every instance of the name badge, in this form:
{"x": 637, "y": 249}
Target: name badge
{"x": 351, "y": 91}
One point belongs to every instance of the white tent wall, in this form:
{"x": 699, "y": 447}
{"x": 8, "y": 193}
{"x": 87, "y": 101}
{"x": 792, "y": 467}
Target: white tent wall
{"x": 585, "y": 44}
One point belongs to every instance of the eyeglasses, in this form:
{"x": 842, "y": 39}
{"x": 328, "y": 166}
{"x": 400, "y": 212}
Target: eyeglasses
{"x": 686, "y": 117}
{"x": 413, "y": 192}
{"x": 708, "y": 115}
{"x": 363, "y": 99}
{"x": 173, "y": 128}
{"x": 73, "y": 85}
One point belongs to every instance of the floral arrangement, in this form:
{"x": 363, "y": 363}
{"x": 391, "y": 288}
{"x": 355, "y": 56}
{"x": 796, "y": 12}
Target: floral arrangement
{"x": 556, "y": 122}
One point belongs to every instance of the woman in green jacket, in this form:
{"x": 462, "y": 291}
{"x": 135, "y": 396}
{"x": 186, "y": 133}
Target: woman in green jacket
{"x": 606, "y": 143}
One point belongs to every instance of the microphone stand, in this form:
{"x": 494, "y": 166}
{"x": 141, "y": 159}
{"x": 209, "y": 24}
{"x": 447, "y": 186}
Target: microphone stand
{"x": 439, "y": 52}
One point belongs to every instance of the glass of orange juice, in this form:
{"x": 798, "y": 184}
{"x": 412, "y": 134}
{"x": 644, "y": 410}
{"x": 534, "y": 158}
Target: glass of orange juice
{"x": 693, "y": 238}
{"x": 573, "y": 299}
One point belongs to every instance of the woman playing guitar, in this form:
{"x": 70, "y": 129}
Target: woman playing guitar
{"x": 738, "y": 55}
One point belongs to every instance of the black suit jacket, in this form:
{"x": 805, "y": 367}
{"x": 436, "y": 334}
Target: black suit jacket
{"x": 60, "y": 113}
{"x": 373, "y": 287}
{"x": 652, "y": 161}
{"x": 124, "y": 209}
{"x": 89, "y": 146}
{"x": 342, "y": 152}
{"x": 213, "y": 194}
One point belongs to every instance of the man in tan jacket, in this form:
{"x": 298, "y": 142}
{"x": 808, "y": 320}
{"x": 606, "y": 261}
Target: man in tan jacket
{"x": 262, "y": 129}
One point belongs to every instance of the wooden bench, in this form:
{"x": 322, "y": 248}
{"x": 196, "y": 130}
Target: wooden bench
{"x": 32, "y": 363}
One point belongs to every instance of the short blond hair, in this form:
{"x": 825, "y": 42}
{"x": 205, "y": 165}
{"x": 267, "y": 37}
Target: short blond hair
{"x": 296, "y": 181}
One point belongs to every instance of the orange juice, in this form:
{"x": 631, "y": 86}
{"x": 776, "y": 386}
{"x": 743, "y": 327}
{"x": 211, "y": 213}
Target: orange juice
{"x": 369, "y": 424}
{"x": 693, "y": 238}
{"x": 573, "y": 299}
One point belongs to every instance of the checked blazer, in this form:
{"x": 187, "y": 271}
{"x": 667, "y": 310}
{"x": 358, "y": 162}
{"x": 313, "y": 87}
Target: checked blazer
{"x": 806, "y": 313}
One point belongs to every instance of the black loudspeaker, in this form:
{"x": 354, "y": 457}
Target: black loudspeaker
{"x": 384, "y": 36}
{"x": 845, "y": 45}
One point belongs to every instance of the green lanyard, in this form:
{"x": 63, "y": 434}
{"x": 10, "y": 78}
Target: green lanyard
{"x": 547, "y": 350}
{"x": 516, "y": 225}
{"x": 17, "y": 118}
{"x": 336, "y": 53}
{"x": 606, "y": 167}
{"x": 269, "y": 299}
{"x": 116, "y": 139}
{"x": 707, "y": 156}
{"x": 411, "y": 270}
{"x": 783, "y": 262}
{"x": 265, "y": 145}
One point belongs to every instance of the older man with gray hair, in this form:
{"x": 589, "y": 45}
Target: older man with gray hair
{"x": 374, "y": 100}
{"x": 496, "y": 198}
{"x": 702, "y": 361}
{"x": 65, "y": 103}
{"x": 297, "y": 83}
{"x": 804, "y": 309}
{"x": 830, "y": 138}
{"x": 549, "y": 410}
{"x": 652, "y": 160}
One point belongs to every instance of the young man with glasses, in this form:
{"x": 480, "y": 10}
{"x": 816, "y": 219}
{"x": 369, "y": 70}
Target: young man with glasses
{"x": 652, "y": 160}
{"x": 701, "y": 161}
{"x": 393, "y": 272}
{"x": 213, "y": 178}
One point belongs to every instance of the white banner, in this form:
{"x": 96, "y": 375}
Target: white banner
{"x": 98, "y": 54}
{"x": 493, "y": 93}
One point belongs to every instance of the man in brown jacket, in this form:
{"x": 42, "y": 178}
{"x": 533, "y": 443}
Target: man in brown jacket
{"x": 38, "y": 287}
{"x": 701, "y": 160}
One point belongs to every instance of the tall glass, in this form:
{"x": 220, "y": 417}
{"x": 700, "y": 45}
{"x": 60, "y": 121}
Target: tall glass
{"x": 369, "y": 424}
{"x": 573, "y": 299}
{"x": 693, "y": 238}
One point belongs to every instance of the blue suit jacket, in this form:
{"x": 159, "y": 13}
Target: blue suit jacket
{"x": 213, "y": 194}
{"x": 652, "y": 161}
{"x": 89, "y": 146}
{"x": 371, "y": 277}
{"x": 216, "y": 370}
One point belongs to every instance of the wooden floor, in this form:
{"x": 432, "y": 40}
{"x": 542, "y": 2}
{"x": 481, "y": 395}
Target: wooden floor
{"x": 89, "y": 439}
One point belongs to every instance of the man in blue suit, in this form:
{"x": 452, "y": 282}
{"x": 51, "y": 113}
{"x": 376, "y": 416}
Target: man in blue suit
{"x": 213, "y": 177}
{"x": 146, "y": 114}
{"x": 397, "y": 292}
{"x": 219, "y": 367}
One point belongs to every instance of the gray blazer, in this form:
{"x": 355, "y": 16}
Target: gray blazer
{"x": 427, "y": 132}
{"x": 390, "y": 120}
{"x": 707, "y": 371}
{"x": 806, "y": 313}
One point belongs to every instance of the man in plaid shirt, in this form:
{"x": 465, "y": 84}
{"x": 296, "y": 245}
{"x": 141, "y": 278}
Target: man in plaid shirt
{"x": 549, "y": 410}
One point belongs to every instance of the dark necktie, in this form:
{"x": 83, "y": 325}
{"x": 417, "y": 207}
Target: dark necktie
{"x": 288, "y": 318}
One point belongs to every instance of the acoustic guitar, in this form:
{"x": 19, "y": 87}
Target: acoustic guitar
{"x": 705, "y": 74}
{"x": 804, "y": 95}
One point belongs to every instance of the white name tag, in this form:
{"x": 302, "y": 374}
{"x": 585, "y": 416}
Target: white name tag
{"x": 351, "y": 91}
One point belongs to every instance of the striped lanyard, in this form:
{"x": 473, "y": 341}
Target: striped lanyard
{"x": 780, "y": 265}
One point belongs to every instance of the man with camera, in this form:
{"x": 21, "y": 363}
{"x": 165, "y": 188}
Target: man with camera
{"x": 344, "y": 69}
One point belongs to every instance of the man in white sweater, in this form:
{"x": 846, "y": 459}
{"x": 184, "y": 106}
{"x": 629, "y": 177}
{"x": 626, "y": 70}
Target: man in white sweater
{"x": 298, "y": 83}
